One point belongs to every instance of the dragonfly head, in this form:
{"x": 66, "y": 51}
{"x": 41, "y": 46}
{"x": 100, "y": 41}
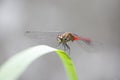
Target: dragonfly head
{"x": 62, "y": 40}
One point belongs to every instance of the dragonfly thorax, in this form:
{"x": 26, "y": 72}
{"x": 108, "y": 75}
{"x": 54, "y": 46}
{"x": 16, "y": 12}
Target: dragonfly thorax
{"x": 64, "y": 38}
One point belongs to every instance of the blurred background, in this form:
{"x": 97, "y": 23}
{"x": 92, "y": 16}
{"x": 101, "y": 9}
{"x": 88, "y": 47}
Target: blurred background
{"x": 96, "y": 19}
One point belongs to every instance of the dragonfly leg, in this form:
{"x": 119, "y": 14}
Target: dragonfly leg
{"x": 65, "y": 47}
{"x": 68, "y": 48}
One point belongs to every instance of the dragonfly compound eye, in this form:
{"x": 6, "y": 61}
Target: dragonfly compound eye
{"x": 59, "y": 39}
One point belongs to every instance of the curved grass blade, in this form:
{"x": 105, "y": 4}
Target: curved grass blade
{"x": 15, "y": 66}
{"x": 68, "y": 64}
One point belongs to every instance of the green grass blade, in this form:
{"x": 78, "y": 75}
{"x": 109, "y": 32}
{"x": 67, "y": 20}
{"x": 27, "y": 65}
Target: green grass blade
{"x": 68, "y": 64}
{"x": 15, "y": 66}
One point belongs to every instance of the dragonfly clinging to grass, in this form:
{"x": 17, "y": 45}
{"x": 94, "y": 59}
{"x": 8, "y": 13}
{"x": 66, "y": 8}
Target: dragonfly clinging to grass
{"x": 63, "y": 38}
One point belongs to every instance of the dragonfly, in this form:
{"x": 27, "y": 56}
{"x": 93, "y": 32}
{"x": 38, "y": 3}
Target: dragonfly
{"x": 63, "y": 40}
{"x": 56, "y": 39}
{"x": 66, "y": 37}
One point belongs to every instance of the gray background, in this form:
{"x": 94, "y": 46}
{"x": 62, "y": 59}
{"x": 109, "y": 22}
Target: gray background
{"x": 97, "y": 19}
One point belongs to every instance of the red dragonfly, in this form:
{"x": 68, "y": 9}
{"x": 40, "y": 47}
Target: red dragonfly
{"x": 63, "y": 38}
{"x": 67, "y": 37}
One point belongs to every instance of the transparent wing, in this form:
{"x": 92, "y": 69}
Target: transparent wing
{"x": 43, "y": 38}
{"x": 91, "y": 47}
